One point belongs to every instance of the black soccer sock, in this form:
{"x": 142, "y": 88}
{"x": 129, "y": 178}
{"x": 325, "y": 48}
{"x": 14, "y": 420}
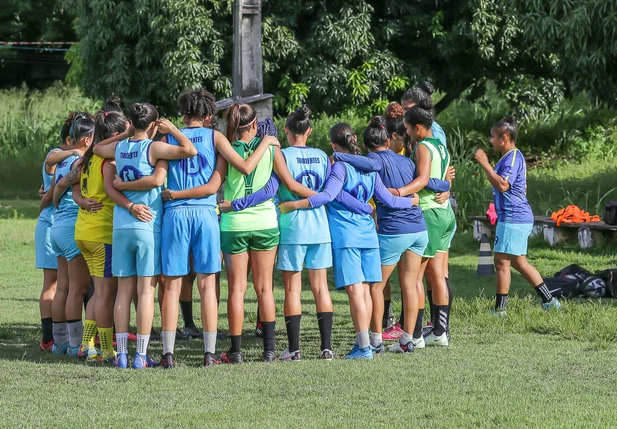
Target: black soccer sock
{"x": 268, "y": 328}
{"x": 292, "y": 324}
{"x": 387, "y": 310}
{"x": 187, "y": 313}
{"x": 46, "y": 326}
{"x": 417, "y": 331}
{"x": 236, "y": 343}
{"x": 442, "y": 314}
{"x": 543, "y": 292}
{"x": 431, "y": 305}
{"x": 325, "y": 329}
{"x": 401, "y": 319}
{"x": 501, "y": 301}
{"x": 450, "y": 295}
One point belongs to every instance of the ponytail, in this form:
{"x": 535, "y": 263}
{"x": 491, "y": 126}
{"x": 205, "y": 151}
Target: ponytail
{"x": 239, "y": 117}
{"x": 342, "y": 135}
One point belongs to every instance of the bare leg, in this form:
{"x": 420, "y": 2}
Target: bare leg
{"x": 237, "y": 266}
{"x": 50, "y": 283}
{"x": 377, "y": 298}
{"x": 409, "y": 272}
{"x": 169, "y": 308}
{"x": 206, "y": 283}
{"x": 145, "y": 307}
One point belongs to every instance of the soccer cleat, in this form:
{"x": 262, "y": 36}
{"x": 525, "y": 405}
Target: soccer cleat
{"x": 259, "y": 332}
{"x": 154, "y": 336}
{"x": 393, "y": 333}
{"x": 46, "y": 347}
{"x": 553, "y": 304}
{"x": 192, "y": 332}
{"x": 499, "y": 312}
{"x": 220, "y": 335}
{"x": 59, "y": 350}
{"x": 268, "y": 357}
{"x": 377, "y": 350}
{"x": 427, "y": 329}
{"x": 167, "y": 361}
{"x": 105, "y": 358}
{"x": 327, "y": 354}
{"x": 434, "y": 340}
{"x": 143, "y": 361}
{"x": 388, "y": 322}
{"x": 360, "y": 353}
{"x": 418, "y": 343}
{"x": 121, "y": 360}
{"x": 287, "y": 356}
{"x": 211, "y": 359}
{"x": 90, "y": 354}
{"x": 131, "y": 337}
{"x": 232, "y": 357}
{"x": 400, "y": 348}
{"x": 180, "y": 335}
{"x": 73, "y": 351}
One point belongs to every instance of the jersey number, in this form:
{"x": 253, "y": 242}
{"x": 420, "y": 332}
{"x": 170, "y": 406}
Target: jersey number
{"x": 130, "y": 173}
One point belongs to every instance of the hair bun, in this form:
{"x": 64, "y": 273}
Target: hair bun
{"x": 510, "y": 119}
{"x": 377, "y": 122}
{"x": 394, "y": 111}
{"x": 426, "y": 104}
{"x": 428, "y": 87}
{"x": 303, "y": 113}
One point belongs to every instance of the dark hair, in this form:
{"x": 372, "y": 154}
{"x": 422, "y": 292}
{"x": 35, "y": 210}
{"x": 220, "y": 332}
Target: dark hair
{"x": 507, "y": 126}
{"x": 197, "y": 103}
{"x": 376, "y": 135}
{"x": 342, "y": 135}
{"x": 421, "y": 113}
{"x": 299, "y": 121}
{"x": 142, "y": 115}
{"x": 266, "y": 127}
{"x": 105, "y": 125}
{"x": 65, "y": 131}
{"x": 393, "y": 115}
{"x": 419, "y": 93}
{"x": 83, "y": 126}
{"x": 112, "y": 104}
{"x": 239, "y": 117}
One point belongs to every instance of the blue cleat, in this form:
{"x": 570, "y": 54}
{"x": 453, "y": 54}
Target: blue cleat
{"x": 142, "y": 361}
{"x": 360, "y": 353}
{"x": 121, "y": 360}
{"x": 553, "y": 304}
{"x": 59, "y": 351}
{"x": 73, "y": 351}
{"x": 378, "y": 349}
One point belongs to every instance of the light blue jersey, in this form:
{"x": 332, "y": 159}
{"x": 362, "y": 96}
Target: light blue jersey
{"x": 66, "y": 213}
{"x": 192, "y": 172}
{"x": 132, "y": 163}
{"x": 350, "y": 229}
{"x": 438, "y": 133}
{"x": 310, "y": 167}
{"x": 47, "y": 214}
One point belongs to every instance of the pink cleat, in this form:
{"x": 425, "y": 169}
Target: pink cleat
{"x": 393, "y": 333}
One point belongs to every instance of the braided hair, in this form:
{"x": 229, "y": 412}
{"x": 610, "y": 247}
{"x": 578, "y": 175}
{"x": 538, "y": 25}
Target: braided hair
{"x": 197, "y": 104}
{"x": 342, "y": 135}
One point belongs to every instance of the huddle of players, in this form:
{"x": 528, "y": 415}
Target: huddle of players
{"x": 107, "y": 195}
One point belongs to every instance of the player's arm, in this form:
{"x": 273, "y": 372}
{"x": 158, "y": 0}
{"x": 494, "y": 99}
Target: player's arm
{"x": 387, "y": 199}
{"x": 57, "y": 156}
{"x": 146, "y": 183}
{"x": 161, "y": 150}
{"x": 423, "y": 166}
{"x": 66, "y": 182}
{"x": 244, "y": 166}
{"x": 281, "y": 170}
{"x": 107, "y": 148}
{"x": 331, "y": 189}
{"x": 498, "y": 182}
{"x": 48, "y": 198}
{"x": 352, "y": 204}
{"x": 138, "y": 211}
{"x": 202, "y": 191}
{"x": 264, "y": 194}
{"x": 364, "y": 163}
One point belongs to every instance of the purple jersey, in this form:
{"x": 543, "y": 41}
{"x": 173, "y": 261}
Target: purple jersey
{"x": 512, "y": 205}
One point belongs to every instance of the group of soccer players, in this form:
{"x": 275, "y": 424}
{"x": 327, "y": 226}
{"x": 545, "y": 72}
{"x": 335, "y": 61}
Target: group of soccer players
{"x": 131, "y": 201}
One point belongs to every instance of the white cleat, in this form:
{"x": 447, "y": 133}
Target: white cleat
{"x": 439, "y": 341}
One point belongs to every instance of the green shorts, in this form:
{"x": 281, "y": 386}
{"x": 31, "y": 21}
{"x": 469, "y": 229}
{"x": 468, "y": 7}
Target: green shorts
{"x": 440, "y": 224}
{"x": 233, "y": 242}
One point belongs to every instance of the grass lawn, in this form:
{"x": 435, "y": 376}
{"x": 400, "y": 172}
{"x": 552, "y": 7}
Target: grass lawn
{"x": 530, "y": 369}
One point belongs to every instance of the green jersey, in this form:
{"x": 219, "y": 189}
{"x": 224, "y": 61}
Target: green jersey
{"x": 440, "y": 161}
{"x": 237, "y": 185}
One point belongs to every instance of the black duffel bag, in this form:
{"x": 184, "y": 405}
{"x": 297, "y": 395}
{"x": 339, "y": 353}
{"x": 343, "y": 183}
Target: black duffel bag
{"x": 610, "y": 213}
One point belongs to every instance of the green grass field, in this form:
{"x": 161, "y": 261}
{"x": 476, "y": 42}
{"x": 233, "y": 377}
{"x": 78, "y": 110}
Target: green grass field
{"x": 531, "y": 369}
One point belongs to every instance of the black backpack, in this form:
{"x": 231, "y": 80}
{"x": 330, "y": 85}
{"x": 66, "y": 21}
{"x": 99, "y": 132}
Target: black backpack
{"x": 610, "y": 277}
{"x": 610, "y": 213}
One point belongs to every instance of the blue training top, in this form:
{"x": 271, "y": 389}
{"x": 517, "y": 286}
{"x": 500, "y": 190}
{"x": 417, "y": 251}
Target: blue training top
{"x": 439, "y": 133}
{"x": 132, "y": 163}
{"x": 47, "y": 214}
{"x": 350, "y": 229}
{"x": 512, "y": 205}
{"x": 65, "y": 215}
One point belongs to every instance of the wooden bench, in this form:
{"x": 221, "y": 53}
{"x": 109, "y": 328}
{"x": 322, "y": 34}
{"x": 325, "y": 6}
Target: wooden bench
{"x": 587, "y": 233}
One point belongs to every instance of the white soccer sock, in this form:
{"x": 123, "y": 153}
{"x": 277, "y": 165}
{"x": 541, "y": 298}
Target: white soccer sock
{"x": 376, "y": 339}
{"x": 363, "y": 339}
{"x": 209, "y": 342}
{"x": 406, "y": 338}
{"x": 169, "y": 340}
{"x": 122, "y": 342}
{"x": 76, "y": 333}
{"x": 142, "y": 343}
{"x": 60, "y": 333}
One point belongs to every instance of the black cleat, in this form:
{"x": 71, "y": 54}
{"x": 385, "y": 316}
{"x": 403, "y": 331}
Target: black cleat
{"x": 154, "y": 336}
{"x": 269, "y": 357}
{"x": 180, "y": 335}
{"x": 192, "y": 332}
{"x": 232, "y": 357}
{"x": 259, "y": 332}
{"x": 167, "y": 361}
{"x": 211, "y": 359}
{"x": 327, "y": 354}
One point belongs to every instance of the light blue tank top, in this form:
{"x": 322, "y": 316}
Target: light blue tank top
{"x": 47, "y": 214}
{"x": 65, "y": 215}
{"x": 132, "y": 163}
{"x": 192, "y": 172}
{"x": 351, "y": 229}
{"x": 309, "y": 167}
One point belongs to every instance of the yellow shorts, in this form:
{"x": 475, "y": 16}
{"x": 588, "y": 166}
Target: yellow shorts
{"x": 97, "y": 256}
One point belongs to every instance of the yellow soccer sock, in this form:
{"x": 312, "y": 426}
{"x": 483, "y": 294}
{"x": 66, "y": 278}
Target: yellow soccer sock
{"x": 89, "y": 334}
{"x": 107, "y": 347}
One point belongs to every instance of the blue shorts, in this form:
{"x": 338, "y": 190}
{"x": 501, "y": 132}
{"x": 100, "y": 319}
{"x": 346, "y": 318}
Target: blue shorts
{"x": 352, "y": 265}
{"x": 293, "y": 257}
{"x": 46, "y": 258}
{"x": 511, "y": 238}
{"x": 391, "y": 247}
{"x": 136, "y": 252}
{"x": 190, "y": 231}
{"x": 63, "y": 242}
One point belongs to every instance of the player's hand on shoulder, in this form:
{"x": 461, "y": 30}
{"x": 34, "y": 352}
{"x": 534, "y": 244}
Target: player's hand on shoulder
{"x": 225, "y": 207}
